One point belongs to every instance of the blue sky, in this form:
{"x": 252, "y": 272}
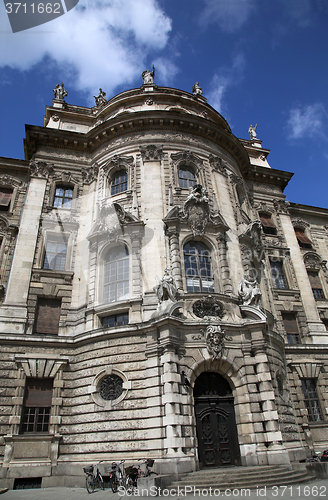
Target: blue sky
{"x": 257, "y": 61}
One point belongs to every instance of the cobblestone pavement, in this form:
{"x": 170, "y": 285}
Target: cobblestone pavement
{"x": 310, "y": 491}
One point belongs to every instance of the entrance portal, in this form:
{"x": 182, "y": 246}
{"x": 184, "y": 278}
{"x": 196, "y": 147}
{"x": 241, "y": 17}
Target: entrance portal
{"x": 215, "y": 420}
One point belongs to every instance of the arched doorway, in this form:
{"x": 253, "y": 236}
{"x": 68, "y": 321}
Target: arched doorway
{"x": 215, "y": 421}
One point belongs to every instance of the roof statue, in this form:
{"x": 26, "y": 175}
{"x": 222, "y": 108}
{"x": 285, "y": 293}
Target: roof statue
{"x": 100, "y": 98}
{"x": 147, "y": 76}
{"x": 59, "y": 92}
{"x": 196, "y": 90}
{"x": 252, "y": 132}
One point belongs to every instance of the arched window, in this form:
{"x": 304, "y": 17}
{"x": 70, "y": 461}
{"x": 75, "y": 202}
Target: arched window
{"x": 116, "y": 274}
{"x": 187, "y": 178}
{"x": 119, "y": 182}
{"x": 198, "y": 267}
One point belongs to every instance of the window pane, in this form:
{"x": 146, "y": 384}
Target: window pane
{"x": 311, "y": 399}
{"x": 63, "y": 197}
{"x": 55, "y": 256}
{"x": 198, "y": 269}
{"x": 119, "y": 182}
{"x": 116, "y": 274}
{"x": 186, "y": 178}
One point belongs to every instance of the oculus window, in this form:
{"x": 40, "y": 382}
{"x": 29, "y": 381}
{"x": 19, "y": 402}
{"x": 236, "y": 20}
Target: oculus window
{"x": 198, "y": 269}
{"x": 111, "y": 387}
{"x": 116, "y": 274}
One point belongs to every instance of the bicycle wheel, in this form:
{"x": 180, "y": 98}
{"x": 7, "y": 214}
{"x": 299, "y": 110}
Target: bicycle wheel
{"x": 89, "y": 484}
{"x": 113, "y": 484}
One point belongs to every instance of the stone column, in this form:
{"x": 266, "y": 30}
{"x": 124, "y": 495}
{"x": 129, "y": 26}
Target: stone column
{"x": 175, "y": 257}
{"x": 223, "y": 263}
{"x": 13, "y": 312}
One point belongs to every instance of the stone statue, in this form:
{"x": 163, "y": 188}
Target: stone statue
{"x": 147, "y": 76}
{"x": 249, "y": 291}
{"x": 100, "y": 98}
{"x": 166, "y": 288}
{"x": 196, "y": 90}
{"x": 59, "y": 92}
{"x": 252, "y": 132}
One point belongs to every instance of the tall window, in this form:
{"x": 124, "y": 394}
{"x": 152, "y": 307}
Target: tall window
{"x": 116, "y": 274}
{"x": 5, "y": 198}
{"x": 267, "y": 224}
{"x": 303, "y": 240}
{"x": 47, "y": 316}
{"x": 55, "y": 255}
{"x": 37, "y": 405}
{"x": 291, "y": 328}
{"x": 187, "y": 178}
{"x": 316, "y": 285}
{"x": 309, "y": 388}
{"x": 119, "y": 182}
{"x": 63, "y": 197}
{"x": 198, "y": 269}
{"x": 278, "y": 275}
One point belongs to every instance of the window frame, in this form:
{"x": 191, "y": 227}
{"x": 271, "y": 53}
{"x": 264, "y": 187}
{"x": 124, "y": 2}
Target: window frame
{"x": 302, "y": 239}
{"x": 318, "y": 291}
{"x": 268, "y": 228}
{"x": 312, "y": 403}
{"x": 6, "y": 191}
{"x": 281, "y": 275}
{"x": 115, "y": 316}
{"x": 58, "y": 239}
{"x": 117, "y": 282}
{"x": 293, "y": 335}
{"x": 65, "y": 188}
{"x": 201, "y": 279}
{"x": 191, "y": 170}
{"x": 40, "y": 410}
{"x": 118, "y": 174}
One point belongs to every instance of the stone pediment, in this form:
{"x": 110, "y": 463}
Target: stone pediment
{"x": 196, "y": 213}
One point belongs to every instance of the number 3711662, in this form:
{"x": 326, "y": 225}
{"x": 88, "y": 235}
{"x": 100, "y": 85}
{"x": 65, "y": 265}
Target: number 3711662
{"x": 33, "y": 8}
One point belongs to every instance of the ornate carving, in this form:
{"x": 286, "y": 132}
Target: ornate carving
{"x": 111, "y": 387}
{"x": 208, "y": 307}
{"x": 166, "y": 288}
{"x": 197, "y": 210}
{"x": 117, "y": 162}
{"x": 312, "y": 261}
{"x": 8, "y": 180}
{"x": 218, "y": 164}
{"x": 90, "y": 174}
{"x": 252, "y": 238}
{"x": 151, "y": 153}
{"x": 186, "y": 157}
{"x": 281, "y": 206}
{"x": 110, "y": 219}
{"x": 249, "y": 291}
{"x": 40, "y": 169}
{"x": 215, "y": 338}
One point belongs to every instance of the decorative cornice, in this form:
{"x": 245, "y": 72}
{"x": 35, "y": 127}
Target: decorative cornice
{"x": 40, "y": 365}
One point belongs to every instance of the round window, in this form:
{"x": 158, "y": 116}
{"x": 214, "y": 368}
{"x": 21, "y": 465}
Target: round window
{"x": 111, "y": 387}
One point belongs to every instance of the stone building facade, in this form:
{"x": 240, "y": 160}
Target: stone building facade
{"x": 160, "y": 298}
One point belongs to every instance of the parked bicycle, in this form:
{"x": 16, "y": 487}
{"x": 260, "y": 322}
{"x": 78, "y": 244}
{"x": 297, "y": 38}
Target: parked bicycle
{"x": 149, "y": 463}
{"x": 93, "y": 478}
{"x": 116, "y": 475}
{"x": 131, "y": 480}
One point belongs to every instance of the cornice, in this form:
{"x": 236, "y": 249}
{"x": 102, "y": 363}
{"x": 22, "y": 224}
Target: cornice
{"x": 296, "y": 208}
{"x": 137, "y": 122}
{"x": 265, "y": 175}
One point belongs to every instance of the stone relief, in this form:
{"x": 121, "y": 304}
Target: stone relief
{"x": 249, "y": 292}
{"x": 151, "y": 153}
{"x": 313, "y": 261}
{"x": 208, "y": 307}
{"x": 90, "y": 174}
{"x": 196, "y": 209}
{"x": 166, "y": 288}
{"x": 215, "y": 340}
{"x": 219, "y": 165}
{"x": 252, "y": 237}
{"x": 40, "y": 169}
{"x": 281, "y": 206}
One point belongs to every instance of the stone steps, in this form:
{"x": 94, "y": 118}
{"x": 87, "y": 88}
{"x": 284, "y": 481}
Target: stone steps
{"x": 242, "y": 477}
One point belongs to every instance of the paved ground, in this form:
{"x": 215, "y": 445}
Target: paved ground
{"x": 315, "y": 490}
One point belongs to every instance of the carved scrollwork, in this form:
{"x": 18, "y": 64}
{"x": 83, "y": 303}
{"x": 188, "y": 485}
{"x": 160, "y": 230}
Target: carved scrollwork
{"x": 312, "y": 261}
{"x": 151, "y": 152}
{"x": 208, "y": 307}
{"x": 90, "y": 174}
{"x": 218, "y": 164}
{"x": 40, "y": 169}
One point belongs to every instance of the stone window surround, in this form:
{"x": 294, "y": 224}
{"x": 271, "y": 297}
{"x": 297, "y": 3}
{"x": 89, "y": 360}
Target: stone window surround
{"x": 54, "y": 231}
{"x": 68, "y": 184}
{"x": 7, "y": 181}
{"x": 190, "y": 161}
{"x": 213, "y": 252}
{"x": 113, "y": 166}
{"x": 284, "y": 258}
{"x": 93, "y": 389}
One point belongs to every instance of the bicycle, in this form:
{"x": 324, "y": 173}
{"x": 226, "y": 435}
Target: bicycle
{"x": 132, "y": 474}
{"x": 93, "y": 479}
{"x": 116, "y": 475}
{"x": 149, "y": 462}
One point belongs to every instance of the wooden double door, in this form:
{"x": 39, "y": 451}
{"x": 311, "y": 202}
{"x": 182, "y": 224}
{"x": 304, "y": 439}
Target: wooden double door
{"x": 215, "y": 419}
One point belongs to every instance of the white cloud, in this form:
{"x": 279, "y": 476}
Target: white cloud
{"x": 103, "y": 43}
{"x": 229, "y": 14}
{"x": 307, "y": 121}
{"x": 223, "y": 79}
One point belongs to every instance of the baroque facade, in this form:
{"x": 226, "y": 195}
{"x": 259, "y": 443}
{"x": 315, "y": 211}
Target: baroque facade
{"x": 159, "y": 296}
